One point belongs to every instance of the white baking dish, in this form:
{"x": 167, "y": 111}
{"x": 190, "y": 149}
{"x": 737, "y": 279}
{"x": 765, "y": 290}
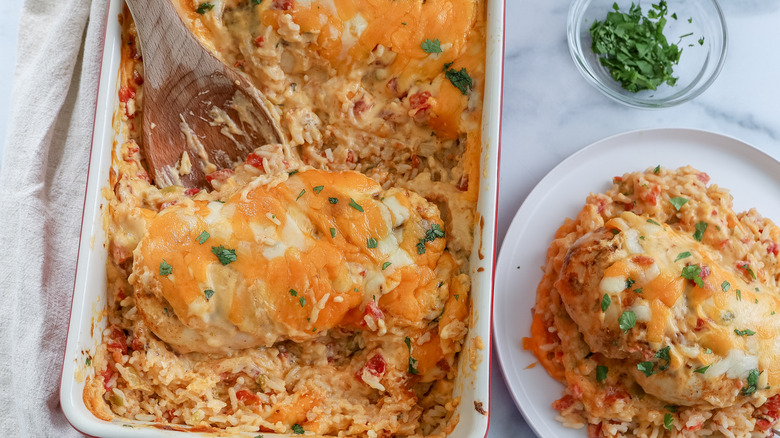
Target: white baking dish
{"x": 90, "y": 286}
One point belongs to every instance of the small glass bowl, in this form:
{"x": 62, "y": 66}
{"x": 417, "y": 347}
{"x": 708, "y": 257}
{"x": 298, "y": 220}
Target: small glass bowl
{"x": 698, "y": 66}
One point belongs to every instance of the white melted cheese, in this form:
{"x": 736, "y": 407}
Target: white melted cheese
{"x": 736, "y": 365}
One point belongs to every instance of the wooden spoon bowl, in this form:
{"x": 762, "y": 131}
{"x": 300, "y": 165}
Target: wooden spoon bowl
{"x": 200, "y": 115}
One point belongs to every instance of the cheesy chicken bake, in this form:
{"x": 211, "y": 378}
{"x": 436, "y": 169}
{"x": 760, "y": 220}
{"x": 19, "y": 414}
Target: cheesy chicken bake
{"x": 321, "y": 286}
{"x": 658, "y": 310}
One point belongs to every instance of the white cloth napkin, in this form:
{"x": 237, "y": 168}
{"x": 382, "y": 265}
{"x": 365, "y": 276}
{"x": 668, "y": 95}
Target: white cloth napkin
{"x": 42, "y": 185}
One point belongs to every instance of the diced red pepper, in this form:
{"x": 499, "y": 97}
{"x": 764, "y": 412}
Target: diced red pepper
{"x": 137, "y": 78}
{"x": 107, "y": 374}
{"x": 362, "y": 106}
{"x": 126, "y": 93}
{"x": 763, "y": 424}
{"x": 703, "y": 177}
{"x": 192, "y": 191}
{"x": 376, "y": 366}
{"x": 117, "y": 340}
{"x": 255, "y": 160}
{"x": 350, "y": 156}
{"x": 594, "y": 430}
{"x": 282, "y": 5}
{"x": 246, "y": 397}
{"x": 259, "y": 41}
{"x": 419, "y": 101}
{"x": 463, "y": 183}
{"x": 696, "y": 427}
{"x": 772, "y": 247}
{"x": 563, "y": 403}
{"x": 219, "y": 176}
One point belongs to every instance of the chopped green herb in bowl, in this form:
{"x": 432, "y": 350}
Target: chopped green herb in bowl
{"x": 651, "y": 54}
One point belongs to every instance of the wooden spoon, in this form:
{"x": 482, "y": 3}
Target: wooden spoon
{"x": 188, "y": 97}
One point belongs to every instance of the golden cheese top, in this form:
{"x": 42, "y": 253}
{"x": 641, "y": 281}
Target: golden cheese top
{"x": 288, "y": 260}
{"x": 689, "y": 329}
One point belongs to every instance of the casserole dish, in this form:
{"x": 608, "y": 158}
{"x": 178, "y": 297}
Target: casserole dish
{"x": 87, "y": 323}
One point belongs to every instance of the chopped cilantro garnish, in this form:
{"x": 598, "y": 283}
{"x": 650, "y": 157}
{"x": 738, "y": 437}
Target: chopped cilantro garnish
{"x": 638, "y": 290}
{"x": 725, "y": 286}
{"x": 429, "y": 46}
{"x": 371, "y": 242}
{"x": 297, "y": 429}
{"x": 701, "y": 370}
{"x": 300, "y": 194}
{"x": 291, "y": 173}
{"x": 203, "y": 237}
{"x": 629, "y": 282}
{"x": 701, "y": 227}
{"x": 653, "y": 222}
{"x": 317, "y": 189}
{"x": 224, "y": 255}
{"x": 668, "y": 421}
{"x": 412, "y": 361}
{"x": 671, "y": 408}
{"x": 678, "y": 202}
{"x": 333, "y": 200}
{"x": 682, "y": 255}
{"x": 634, "y": 49}
{"x": 421, "y": 247}
{"x": 746, "y": 332}
{"x": 209, "y": 293}
{"x": 333, "y": 232}
{"x": 385, "y": 265}
{"x": 663, "y": 354}
{"x": 255, "y": 3}
{"x": 293, "y": 292}
{"x": 646, "y": 367}
{"x": 302, "y": 300}
{"x": 739, "y": 295}
{"x": 460, "y": 79}
{"x": 657, "y": 169}
{"x": 601, "y": 372}
{"x": 204, "y": 7}
{"x": 752, "y": 382}
{"x": 693, "y": 272}
{"x": 605, "y": 302}
{"x": 627, "y": 320}
{"x": 165, "y": 268}
{"x": 355, "y": 205}
{"x": 615, "y": 231}
{"x": 747, "y": 269}
{"x": 434, "y": 233}
{"x": 88, "y": 361}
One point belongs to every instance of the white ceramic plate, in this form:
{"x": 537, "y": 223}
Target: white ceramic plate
{"x": 752, "y": 176}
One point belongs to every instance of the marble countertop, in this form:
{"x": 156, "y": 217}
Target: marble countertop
{"x": 551, "y": 112}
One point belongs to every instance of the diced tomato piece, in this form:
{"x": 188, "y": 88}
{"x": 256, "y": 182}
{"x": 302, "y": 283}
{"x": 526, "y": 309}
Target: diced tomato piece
{"x": 137, "y": 78}
{"x": 392, "y": 85}
{"x": 415, "y": 161}
{"x": 373, "y": 310}
{"x": 652, "y": 195}
{"x": 703, "y": 177}
{"x": 772, "y": 407}
{"x": 117, "y": 340}
{"x": 772, "y": 247}
{"x": 643, "y": 260}
{"x": 699, "y": 324}
{"x": 376, "y": 366}
{"x": 761, "y": 424}
{"x": 705, "y": 271}
{"x": 629, "y": 205}
{"x": 255, "y": 160}
{"x": 362, "y": 106}
{"x": 696, "y": 427}
{"x": 246, "y": 397}
{"x": 282, "y": 5}
{"x": 259, "y": 41}
{"x": 137, "y": 344}
{"x": 602, "y": 205}
{"x": 563, "y": 403}
{"x": 744, "y": 268}
{"x": 463, "y": 183}
{"x": 219, "y": 176}
{"x": 126, "y": 93}
{"x": 192, "y": 191}
{"x": 350, "y": 156}
{"x": 107, "y": 374}
{"x": 613, "y": 394}
{"x": 594, "y": 430}
{"x": 419, "y": 101}
{"x": 575, "y": 390}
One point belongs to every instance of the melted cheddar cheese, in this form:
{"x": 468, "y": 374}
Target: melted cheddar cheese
{"x": 303, "y": 256}
{"x": 662, "y": 290}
